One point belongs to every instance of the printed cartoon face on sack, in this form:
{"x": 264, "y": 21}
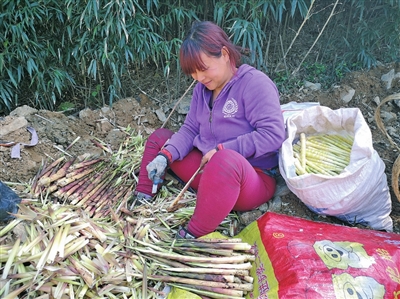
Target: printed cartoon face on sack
{"x": 360, "y": 287}
{"x": 342, "y": 255}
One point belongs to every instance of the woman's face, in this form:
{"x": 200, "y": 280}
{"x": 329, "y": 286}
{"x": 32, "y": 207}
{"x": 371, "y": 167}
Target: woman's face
{"x": 217, "y": 72}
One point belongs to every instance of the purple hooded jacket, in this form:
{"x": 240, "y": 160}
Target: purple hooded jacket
{"x": 246, "y": 117}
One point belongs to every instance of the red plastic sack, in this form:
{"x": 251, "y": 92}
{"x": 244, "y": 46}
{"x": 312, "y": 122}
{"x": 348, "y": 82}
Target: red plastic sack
{"x": 297, "y": 258}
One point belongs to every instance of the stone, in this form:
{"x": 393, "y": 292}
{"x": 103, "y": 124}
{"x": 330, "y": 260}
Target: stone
{"x": 389, "y": 77}
{"x": 348, "y": 95}
{"x": 184, "y": 105}
{"x": 13, "y": 126}
{"x": 275, "y": 204}
{"x": 104, "y": 126}
{"x": 281, "y": 187}
{"x": 161, "y": 115}
{"x": 388, "y": 117}
{"x": 312, "y": 86}
{"x": 392, "y": 132}
{"x": 248, "y": 217}
{"x": 85, "y": 113}
{"x": 105, "y": 110}
{"x": 397, "y": 103}
{"x": 23, "y": 111}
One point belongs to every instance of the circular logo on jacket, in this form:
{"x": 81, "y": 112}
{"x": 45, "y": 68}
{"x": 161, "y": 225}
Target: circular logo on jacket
{"x": 230, "y": 108}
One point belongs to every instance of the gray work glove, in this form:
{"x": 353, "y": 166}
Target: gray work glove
{"x": 156, "y": 169}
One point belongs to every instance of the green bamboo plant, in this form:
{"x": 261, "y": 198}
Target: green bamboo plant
{"x": 85, "y": 51}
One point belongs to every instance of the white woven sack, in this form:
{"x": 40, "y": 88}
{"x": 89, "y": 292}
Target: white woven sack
{"x": 359, "y": 194}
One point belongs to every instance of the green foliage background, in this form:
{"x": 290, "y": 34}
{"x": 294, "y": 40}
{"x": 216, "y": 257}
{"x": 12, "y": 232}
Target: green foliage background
{"x": 85, "y": 51}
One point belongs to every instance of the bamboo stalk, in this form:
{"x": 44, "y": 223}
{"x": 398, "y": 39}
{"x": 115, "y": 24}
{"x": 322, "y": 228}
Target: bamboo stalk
{"x": 224, "y": 285}
{"x": 96, "y": 184}
{"x": 35, "y": 187}
{"x": 69, "y": 189}
{"x": 197, "y": 259}
{"x": 211, "y": 292}
{"x": 204, "y": 276}
{"x": 73, "y": 176}
{"x": 98, "y": 210}
{"x": 52, "y": 165}
{"x": 45, "y": 181}
{"x": 172, "y": 207}
{"x": 171, "y": 263}
{"x": 98, "y": 201}
{"x": 103, "y": 187}
{"x": 114, "y": 198}
{"x": 200, "y": 243}
{"x": 221, "y": 252}
{"x": 241, "y": 266}
{"x": 85, "y": 163}
{"x": 303, "y": 146}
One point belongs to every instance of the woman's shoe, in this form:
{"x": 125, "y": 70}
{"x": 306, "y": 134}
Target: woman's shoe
{"x": 140, "y": 198}
{"x": 183, "y": 233}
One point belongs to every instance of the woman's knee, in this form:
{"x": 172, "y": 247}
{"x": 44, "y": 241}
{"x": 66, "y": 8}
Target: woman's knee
{"x": 229, "y": 159}
{"x": 159, "y": 137}
{"x": 226, "y": 165}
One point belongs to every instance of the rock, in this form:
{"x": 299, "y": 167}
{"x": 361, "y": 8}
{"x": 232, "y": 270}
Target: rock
{"x": 13, "y": 126}
{"x": 392, "y": 132}
{"x": 281, "y": 187}
{"x": 312, "y": 86}
{"x": 85, "y": 113}
{"x": 397, "y": 103}
{"x": 248, "y": 217}
{"x": 114, "y": 137}
{"x": 105, "y": 111}
{"x": 104, "y": 126}
{"x": 184, "y": 104}
{"x": 161, "y": 115}
{"x": 264, "y": 207}
{"x": 388, "y": 78}
{"x": 23, "y": 111}
{"x": 89, "y": 116}
{"x": 275, "y": 204}
{"x": 347, "y": 95}
{"x": 388, "y": 117}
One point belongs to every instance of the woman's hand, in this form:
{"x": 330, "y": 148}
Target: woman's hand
{"x": 156, "y": 169}
{"x": 208, "y": 156}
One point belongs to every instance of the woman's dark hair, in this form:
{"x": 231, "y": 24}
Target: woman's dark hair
{"x": 208, "y": 38}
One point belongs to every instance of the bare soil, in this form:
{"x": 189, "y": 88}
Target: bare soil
{"x": 58, "y": 130}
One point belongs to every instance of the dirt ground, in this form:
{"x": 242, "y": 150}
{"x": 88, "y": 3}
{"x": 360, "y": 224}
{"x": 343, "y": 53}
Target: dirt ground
{"x": 57, "y": 131}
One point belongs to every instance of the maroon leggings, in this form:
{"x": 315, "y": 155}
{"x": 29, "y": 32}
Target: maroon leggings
{"x": 227, "y": 183}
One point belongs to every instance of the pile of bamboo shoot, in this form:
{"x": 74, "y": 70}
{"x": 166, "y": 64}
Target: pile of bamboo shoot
{"x": 215, "y": 268}
{"x": 93, "y": 183}
{"x": 62, "y": 253}
{"x": 77, "y": 238}
{"x": 326, "y": 154}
